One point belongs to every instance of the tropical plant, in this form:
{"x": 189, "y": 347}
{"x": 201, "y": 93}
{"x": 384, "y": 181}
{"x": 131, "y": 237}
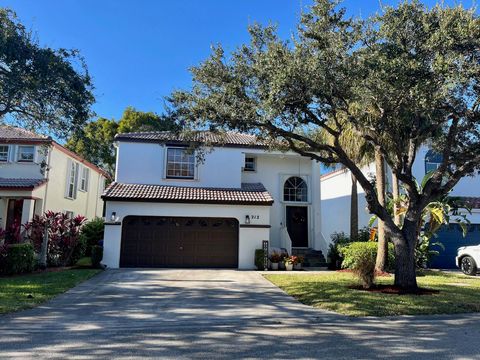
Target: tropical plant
{"x": 275, "y": 257}
{"x": 92, "y": 233}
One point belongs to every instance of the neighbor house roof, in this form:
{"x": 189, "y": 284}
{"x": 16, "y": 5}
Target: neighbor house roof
{"x": 10, "y": 134}
{"x": 248, "y": 194}
{"x": 227, "y": 139}
{"x": 20, "y": 184}
{"x": 469, "y": 201}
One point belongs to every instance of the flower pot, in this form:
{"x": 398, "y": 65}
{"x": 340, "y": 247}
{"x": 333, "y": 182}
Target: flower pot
{"x": 289, "y": 267}
{"x": 297, "y": 266}
{"x": 274, "y": 266}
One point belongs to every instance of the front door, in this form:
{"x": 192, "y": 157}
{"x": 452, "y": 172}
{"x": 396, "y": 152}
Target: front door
{"x": 14, "y": 218}
{"x": 297, "y": 225}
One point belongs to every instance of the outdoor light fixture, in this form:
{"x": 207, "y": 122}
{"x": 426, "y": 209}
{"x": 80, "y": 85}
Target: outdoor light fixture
{"x": 247, "y": 219}
{"x": 114, "y": 216}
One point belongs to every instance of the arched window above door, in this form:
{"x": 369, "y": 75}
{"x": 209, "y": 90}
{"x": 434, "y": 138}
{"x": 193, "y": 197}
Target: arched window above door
{"x": 295, "y": 190}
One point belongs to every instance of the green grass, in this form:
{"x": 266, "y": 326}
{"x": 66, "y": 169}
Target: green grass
{"x": 84, "y": 262}
{"x": 458, "y": 294}
{"x": 27, "y": 291}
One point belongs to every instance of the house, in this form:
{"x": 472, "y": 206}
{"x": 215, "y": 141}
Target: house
{"x": 336, "y": 195}
{"x": 38, "y": 174}
{"x": 168, "y": 208}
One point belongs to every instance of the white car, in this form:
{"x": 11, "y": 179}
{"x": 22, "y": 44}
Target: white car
{"x": 468, "y": 259}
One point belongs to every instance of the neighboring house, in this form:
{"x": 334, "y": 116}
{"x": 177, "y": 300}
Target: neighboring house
{"x": 167, "y": 208}
{"x": 37, "y": 174}
{"x": 336, "y": 191}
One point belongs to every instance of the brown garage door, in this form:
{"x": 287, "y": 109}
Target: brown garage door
{"x": 151, "y": 241}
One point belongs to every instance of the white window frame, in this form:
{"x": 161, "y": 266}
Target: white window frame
{"x": 72, "y": 180}
{"x": 254, "y": 162}
{"x": 84, "y": 179}
{"x": 8, "y": 153}
{"x": 174, "y": 177}
{"x": 19, "y": 153}
{"x": 294, "y": 202}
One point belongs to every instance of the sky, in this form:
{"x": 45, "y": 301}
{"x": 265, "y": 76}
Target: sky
{"x": 139, "y": 51}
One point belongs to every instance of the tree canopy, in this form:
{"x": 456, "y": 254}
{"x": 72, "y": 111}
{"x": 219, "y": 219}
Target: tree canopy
{"x": 95, "y": 141}
{"x": 402, "y": 79}
{"x": 40, "y": 87}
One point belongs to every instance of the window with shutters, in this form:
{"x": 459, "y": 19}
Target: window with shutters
{"x": 72, "y": 178}
{"x": 84, "y": 178}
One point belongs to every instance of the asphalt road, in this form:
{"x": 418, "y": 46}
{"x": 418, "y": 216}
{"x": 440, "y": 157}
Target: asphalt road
{"x": 212, "y": 314}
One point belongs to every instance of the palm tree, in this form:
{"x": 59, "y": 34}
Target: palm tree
{"x": 382, "y": 251}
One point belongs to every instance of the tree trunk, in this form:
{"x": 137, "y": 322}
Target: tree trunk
{"x": 382, "y": 250}
{"x": 405, "y": 269}
{"x": 354, "y": 210}
{"x": 396, "y": 196}
{"x": 43, "y": 250}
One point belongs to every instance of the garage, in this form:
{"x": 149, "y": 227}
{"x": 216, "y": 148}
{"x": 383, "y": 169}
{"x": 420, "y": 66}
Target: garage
{"x": 156, "y": 241}
{"x": 452, "y": 238}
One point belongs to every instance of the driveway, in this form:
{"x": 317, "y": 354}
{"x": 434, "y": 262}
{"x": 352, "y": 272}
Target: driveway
{"x": 218, "y": 314}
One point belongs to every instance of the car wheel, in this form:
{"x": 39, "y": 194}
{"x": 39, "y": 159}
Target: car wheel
{"x": 468, "y": 266}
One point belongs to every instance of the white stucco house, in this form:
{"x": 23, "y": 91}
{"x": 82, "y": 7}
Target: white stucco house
{"x": 336, "y": 195}
{"x": 167, "y": 209}
{"x": 38, "y": 174}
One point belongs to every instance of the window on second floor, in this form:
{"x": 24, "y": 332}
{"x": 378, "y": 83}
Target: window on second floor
{"x": 84, "y": 178}
{"x": 26, "y": 153}
{"x": 295, "y": 189}
{"x": 180, "y": 164}
{"x": 4, "y": 153}
{"x": 72, "y": 179}
{"x": 250, "y": 164}
{"x": 432, "y": 161}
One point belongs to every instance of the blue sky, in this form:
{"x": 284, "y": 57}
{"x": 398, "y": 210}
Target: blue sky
{"x": 138, "y": 51}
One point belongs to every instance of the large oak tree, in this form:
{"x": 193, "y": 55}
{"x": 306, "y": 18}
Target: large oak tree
{"x": 404, "y": 78}
{"x": 41, "y": 87}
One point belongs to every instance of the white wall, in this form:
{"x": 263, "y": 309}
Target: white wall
{"x": 249, "y": 238}
{"x": 144, "y": 163}
{"x": 336, "y": 189}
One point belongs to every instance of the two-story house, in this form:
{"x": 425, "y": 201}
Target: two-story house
{"x": 167, "y": 208}
{"x": 38, "y": 174}
{"x": 336, "y": 196}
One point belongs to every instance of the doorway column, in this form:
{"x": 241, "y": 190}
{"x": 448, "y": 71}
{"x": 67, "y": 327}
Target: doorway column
{"x": 27, "y": 210}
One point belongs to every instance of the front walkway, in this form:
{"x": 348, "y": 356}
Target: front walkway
{"x": 217, "y": 314}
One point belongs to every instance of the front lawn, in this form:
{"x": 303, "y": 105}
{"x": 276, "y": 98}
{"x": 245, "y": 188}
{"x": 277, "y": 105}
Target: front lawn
{"x": 26, "y": 291}
{"x": 458, "y": 294}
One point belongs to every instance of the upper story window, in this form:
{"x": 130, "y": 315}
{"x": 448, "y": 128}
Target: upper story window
{"x": 295, "y": 189}
{"x": 180, "y": 163}
{"x": 4, "y": 152}
{"x": 84, "y": 178}
{"x": 26, "y": 153}
{"x": 250, "y": 164}
{"x": 432, "y": 161}
{"x": 72, "y": 179}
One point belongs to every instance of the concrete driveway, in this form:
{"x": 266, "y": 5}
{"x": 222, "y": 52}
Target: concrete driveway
{"x": 218, "y": 314}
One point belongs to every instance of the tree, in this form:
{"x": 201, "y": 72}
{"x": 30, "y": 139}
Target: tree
{"x": 95, "y": 141}
{"x": 41, "y": 87}
{"x": 382, "y": 252}
{"x": 402, "y": 79}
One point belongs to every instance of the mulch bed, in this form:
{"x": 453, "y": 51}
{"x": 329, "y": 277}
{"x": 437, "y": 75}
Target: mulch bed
{"x": 391, "y": 289}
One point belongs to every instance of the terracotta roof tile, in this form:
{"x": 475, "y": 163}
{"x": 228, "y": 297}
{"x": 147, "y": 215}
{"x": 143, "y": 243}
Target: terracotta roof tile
{"x": 224, "y": 139}
{"x": 11, "y": 133}
{"x": 249, "y": 193}
{"x": 20, "y": 184}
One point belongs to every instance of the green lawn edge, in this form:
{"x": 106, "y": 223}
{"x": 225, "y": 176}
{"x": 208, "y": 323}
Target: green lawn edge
{"x": 26, "y": 291}
{"x": 330, "y": 291}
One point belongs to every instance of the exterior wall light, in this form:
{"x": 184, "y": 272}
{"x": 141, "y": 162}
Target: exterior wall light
{"x": 247, "y": 219}
{"x": 114, "y": 216}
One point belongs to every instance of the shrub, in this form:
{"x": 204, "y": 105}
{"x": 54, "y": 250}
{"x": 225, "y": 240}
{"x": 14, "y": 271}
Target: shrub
{"x": 63, "y": 237}
{"x": 350, "y": 251}
{"x": 18, "y": 258}
{"x": 92, "y": 233}
{"x": 97, "y": 255}
{"x": 340, "y": 239}
{"x": 361, "y": 257}
{"x": 275, "y": 257}
{"x": 259, "y": 255}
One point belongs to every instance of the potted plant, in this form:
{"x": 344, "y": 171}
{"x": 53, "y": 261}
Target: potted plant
{"x": 281, "y": 263}
{"x": 297, "y": 262}
{"x": 275, "y": 258}
{"x": 288, "y": 263}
